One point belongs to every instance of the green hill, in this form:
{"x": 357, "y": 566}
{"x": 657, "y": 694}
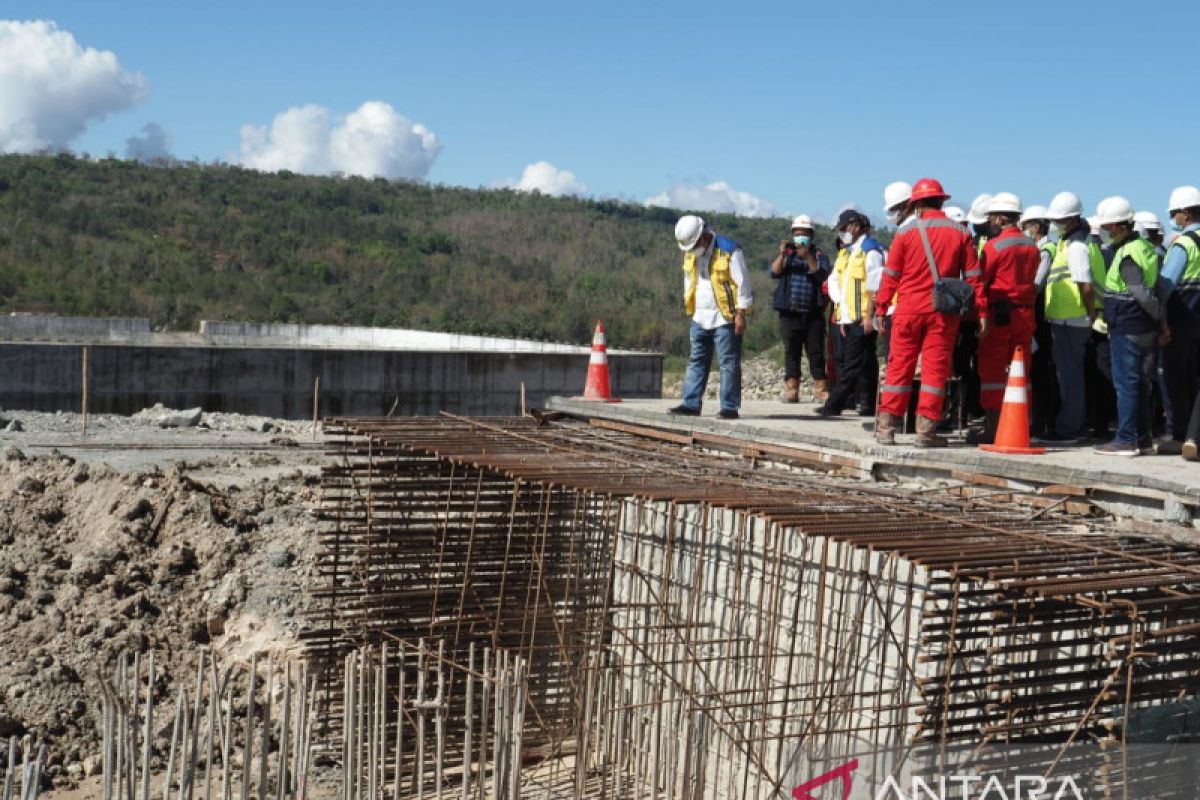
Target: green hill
{"x": 182, "y": 242}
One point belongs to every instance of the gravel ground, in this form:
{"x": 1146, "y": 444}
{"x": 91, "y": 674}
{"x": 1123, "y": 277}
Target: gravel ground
{"x": 762, "y": 379}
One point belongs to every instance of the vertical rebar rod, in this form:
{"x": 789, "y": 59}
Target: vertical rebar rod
{"x": 148, "y": 734}
{"x": 281, "y": 779}
{"x": 268, "y": 699}
{"x": 468, "y": 712}
{"x": 248, "y": 742}
{"x": 176, "y": 732}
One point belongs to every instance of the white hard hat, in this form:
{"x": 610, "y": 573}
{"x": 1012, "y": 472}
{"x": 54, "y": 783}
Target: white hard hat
{"x": 803, "y": 221}
{"x": 1184, "y": 197}
{"x": 955, "y": 213}
{"x": 1064, "y": 206}
{"x": 1146, "y": 221}
{"x": 1033, "y": 213}
{"x": 895, "y": 194}
{"x": 1004, "y": 203}
{"x": 1113, "y": 210}
{"x": 688, "y": 231}
{"x": 979, "y": 209}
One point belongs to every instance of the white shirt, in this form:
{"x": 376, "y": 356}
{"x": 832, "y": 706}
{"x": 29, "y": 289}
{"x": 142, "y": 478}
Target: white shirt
{"x": 707, "y": 315}
{"x": 1079, "y": 261}
{"x": 874, "y": 276}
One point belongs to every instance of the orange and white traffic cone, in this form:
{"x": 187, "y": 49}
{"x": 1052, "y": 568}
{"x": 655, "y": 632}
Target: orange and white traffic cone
{"x": 597, "y": 388}
{"x": 1012, "y": 434}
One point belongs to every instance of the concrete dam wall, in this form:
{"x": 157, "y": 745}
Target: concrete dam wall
{"x": 252, "y": 369}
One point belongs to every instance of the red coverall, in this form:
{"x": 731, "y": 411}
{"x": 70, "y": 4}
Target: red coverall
{"x": 1010, "y": 265}
{"x": 918, "y": 330}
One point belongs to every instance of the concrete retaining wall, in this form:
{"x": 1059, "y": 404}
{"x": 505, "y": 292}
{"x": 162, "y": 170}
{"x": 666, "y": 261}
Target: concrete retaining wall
{"x": 278, "y": 382}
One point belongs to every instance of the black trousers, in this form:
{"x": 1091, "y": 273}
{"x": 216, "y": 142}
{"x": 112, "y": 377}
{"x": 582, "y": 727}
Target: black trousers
{"x": 966, "y": 367}
{"x": 1045, "y": 383}
{"x": 1181, "y": 372}
{"x": 803, "y": 333}
{"x": 1101, "y": 396}
{"x": 857, "y": 369}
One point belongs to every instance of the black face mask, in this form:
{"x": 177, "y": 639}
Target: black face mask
{"x": 983, "y": 229}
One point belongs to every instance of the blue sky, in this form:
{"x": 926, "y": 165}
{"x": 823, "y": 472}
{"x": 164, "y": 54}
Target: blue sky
{"x": 807, "y": 107}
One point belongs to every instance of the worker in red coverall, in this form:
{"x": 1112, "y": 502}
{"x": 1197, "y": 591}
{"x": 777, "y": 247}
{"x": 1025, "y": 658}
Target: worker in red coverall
{"x": 1010, "y": 266}
{"x": 917, "y": 330}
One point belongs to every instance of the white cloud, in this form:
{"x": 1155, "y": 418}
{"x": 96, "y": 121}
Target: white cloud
{"x": 718, "y": 196}
{"x": 373, "y": 140}
{"x": 546, "y": 178}
{"x": 51, "y": 88}
{"x": 154, "y": 143}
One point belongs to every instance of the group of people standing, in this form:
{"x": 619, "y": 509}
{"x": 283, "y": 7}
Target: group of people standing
{"x": 1105, "y": 313}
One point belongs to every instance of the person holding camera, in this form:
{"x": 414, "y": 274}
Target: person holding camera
{"x": 923, "y": 269}
{"x": 800, "y": 270}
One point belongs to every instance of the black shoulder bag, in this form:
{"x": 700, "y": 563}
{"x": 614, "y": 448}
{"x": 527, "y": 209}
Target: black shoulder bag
{"x": 950, "y": 295}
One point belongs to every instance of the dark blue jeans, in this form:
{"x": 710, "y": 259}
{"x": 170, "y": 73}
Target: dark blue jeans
{"x": 729, "y": 359}
{"x": 1134, "y": 370}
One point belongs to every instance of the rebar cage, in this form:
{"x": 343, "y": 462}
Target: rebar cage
{"x": 698, "y": 625}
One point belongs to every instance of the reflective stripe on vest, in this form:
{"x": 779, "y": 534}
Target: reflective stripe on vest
{"x": 724, "y": 287}
{"x": 1063, "y": 298}
{"x": 851, "y": 271}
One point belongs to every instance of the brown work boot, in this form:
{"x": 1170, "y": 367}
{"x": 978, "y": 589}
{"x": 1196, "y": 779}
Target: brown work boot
{"x": 886, "y": 426}
{"x": 791, "y": 392}
{"x": 927, "y": 433}
{"x": 820, "y": 390}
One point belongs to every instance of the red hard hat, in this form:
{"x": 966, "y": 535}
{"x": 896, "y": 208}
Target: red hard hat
{"x": 926, "y": 188}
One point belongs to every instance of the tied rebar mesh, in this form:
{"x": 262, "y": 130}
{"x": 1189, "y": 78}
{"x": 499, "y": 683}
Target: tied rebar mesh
{"x": 696, "y": 625}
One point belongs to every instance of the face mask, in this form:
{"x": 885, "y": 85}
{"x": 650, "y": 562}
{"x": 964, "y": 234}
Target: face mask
{"x": 804, "y": 241}
{"x": 1031, "y": 233}
{"x": 1105, "y": 236}
{"x": 846, "y": 237}
{"x": 894, "y": 217}
{"x": 1175, "y": 226}
{"x": 1058, "y": 228}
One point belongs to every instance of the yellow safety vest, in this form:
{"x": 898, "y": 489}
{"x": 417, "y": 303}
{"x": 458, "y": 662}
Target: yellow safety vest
{"x": 851, "y": 271}
{"x": 1063, "y": 298}
{"x": 724, "y": 287}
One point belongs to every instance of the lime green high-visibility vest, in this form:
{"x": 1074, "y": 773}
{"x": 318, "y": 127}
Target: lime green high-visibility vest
{"x": 1189, "y": 281}
{"x": 1063, "y": 298}
{"x": 1143, "y": 254}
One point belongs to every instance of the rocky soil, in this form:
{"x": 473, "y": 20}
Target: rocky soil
{"x": 167, "y": 552}
{"x": 762, "y": 379}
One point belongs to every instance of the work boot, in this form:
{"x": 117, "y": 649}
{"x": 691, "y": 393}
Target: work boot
{"x": 820, "y": 390}
{"x": 927, "y": 433}
{"x": 791, "y": 392}
{"x": 886, "y": 426}
{"x": 991, "y": 424}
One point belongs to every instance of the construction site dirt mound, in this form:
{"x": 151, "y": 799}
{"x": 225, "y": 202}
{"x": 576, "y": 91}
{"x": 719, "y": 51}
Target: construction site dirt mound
{"x": 174, "y": 557}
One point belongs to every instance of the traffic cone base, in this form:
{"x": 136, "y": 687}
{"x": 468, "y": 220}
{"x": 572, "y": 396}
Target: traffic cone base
{"x": 1012, "y": 434}
{"x": 598, "y": 389}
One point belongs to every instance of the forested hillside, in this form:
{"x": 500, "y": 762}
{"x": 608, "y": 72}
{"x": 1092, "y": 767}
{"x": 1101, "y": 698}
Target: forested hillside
{"x": 182, "y": 242}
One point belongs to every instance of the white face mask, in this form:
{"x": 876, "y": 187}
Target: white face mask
{"x": 1058, "y": 228}
{"x": 895, "y": 216}
{"x": 846, "y": 237}
{"x": 1105, "y": 236}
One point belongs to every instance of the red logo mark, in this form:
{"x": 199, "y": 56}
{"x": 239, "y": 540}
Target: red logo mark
{"x": 804, "y": 790}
